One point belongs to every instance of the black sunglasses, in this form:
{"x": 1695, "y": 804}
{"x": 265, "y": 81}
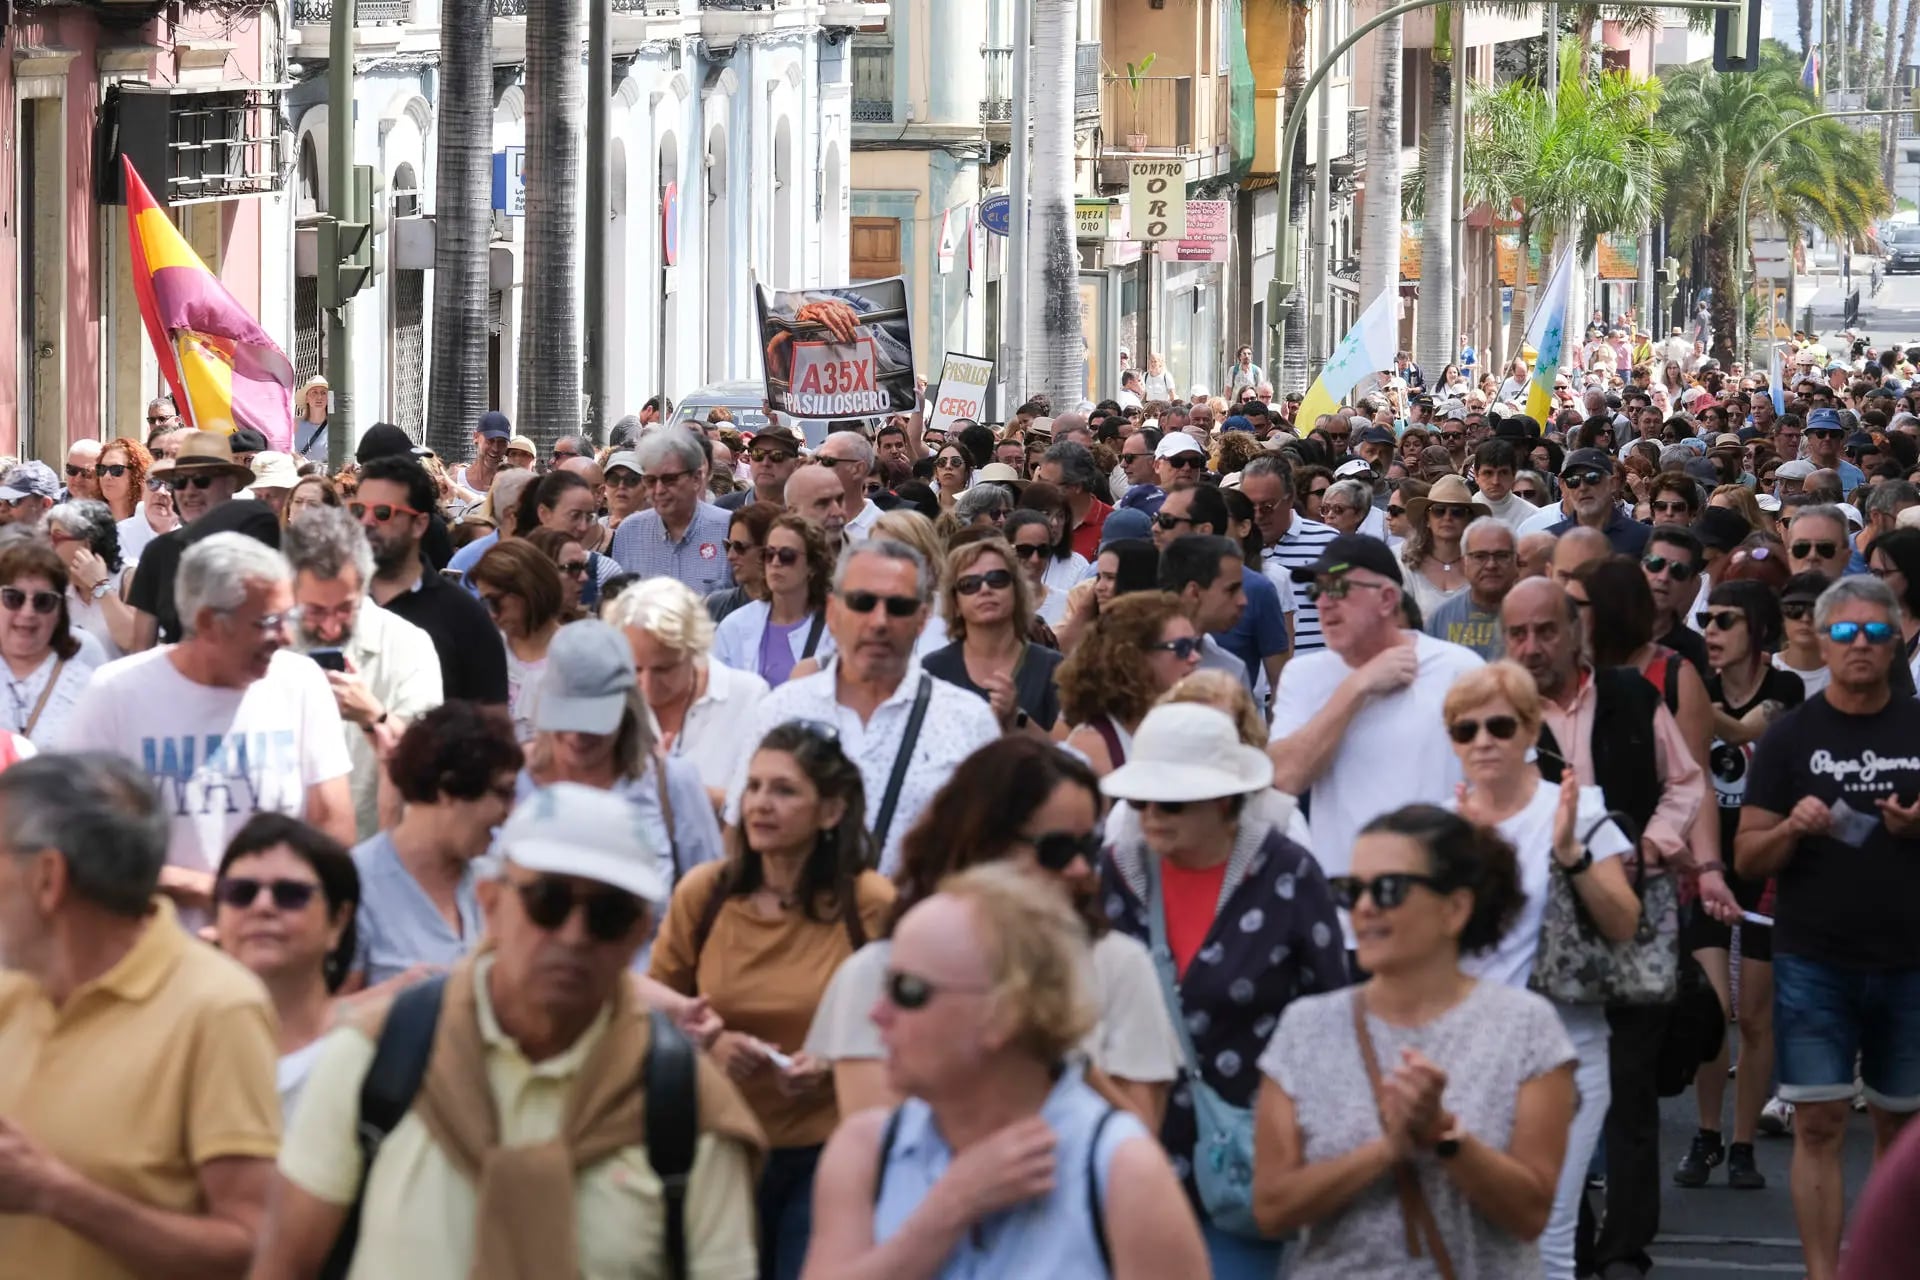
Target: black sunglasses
{"x": 910, "y": 991}
{"x": 1394, "y": 513}
{"x": 75, "y": 473}
{"x": 1183, "y": 461}
{"x": 1826, "y": 550}
{"x": 1723, "y": 619}
{"x": 242, "y": 891}
{"x": 548, "y": 902}
{"x": 770, "y": 455}
{"x": 1501, "y": 727}
{"x": 44, "y": 602}
{"x": 971, "y": 583}
{"x": 1165, "y": 806}
{"x": 177, "y": 483}
{"x": 1387, "y": 891}
{"x": 1183, "y": 648}
{"x": 1167, "y": 521}
{"x": 1678, "y": 570}
{"x": 1796, "y": 609}
{"x": 1027, "y": 551}
{"x": 1581, "y": 479}
{"x": 868, "y": 601}
{"x": 574, "y": 568}
{"x": 743, "y": 547}
{"x": 114, "y": 469}
{"x": 786, "y": 557}
{"x": 1056, "y": 850}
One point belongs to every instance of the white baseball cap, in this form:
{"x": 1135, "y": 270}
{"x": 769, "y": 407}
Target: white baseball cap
{"x": 569, "y": 829}
{"x": 1175, "y": 443}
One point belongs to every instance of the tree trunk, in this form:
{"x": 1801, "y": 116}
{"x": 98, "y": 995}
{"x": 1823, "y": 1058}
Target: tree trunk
{"x": 550, "y": 308}
{"x": 1517, "y": 328}
{"x": 1380, "y": 222}
{"x": 457, "y": 391}
{"x": 1907, "y": 32}
{"x": 1724, "y": 309}
{"x": 1434, "y": 336}
{"x": 1805, "y": 24}
{"x": 1056, "y": 356}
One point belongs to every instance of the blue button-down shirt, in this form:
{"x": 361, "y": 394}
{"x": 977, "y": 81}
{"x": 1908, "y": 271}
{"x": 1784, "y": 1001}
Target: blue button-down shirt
{"x": 698, "y": 557}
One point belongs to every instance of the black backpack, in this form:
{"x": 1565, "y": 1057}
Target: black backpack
{"x": 400, "y": 1064}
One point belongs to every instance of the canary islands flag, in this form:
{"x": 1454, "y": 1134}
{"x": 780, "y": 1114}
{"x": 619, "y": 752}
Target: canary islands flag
{"x": 1547, "y": 335}
{"x": 1810, "y": 73}
{"x": 223, "y": 368}
{"x": 1367, "y": 349}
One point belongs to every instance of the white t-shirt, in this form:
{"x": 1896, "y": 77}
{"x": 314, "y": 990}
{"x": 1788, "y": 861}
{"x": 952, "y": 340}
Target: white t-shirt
{"x": 218, "y": 755}
{"x": 1530, "y": 832}
{"x": 1395, "y": 750}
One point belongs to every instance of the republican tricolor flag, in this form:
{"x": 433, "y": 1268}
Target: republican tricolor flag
{"x": 223, "y": 368}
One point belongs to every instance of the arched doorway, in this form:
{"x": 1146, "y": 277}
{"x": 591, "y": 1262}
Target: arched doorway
{"x": 717, "y": 246}
{"x": 407, "y": 305}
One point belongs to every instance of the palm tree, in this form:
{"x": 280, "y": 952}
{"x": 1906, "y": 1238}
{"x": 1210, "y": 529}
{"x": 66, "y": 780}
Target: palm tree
{"x": 1823, "y": 174}
{"x": 457, "y": 383}
{"x": 1056, "y": 365}
{"x": 1436, "y": 345}
{"x": 550, "y": 309}
{"x": 1805, "y": 23}
{"x": 1380, "y": 221}
{"x": 1293, "y": 373}
{"x": 1907, "y": 31}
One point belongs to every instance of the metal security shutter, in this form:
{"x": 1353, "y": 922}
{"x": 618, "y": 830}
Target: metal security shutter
{"x": 409, "y": 352}
{"x": 309, "y": 350}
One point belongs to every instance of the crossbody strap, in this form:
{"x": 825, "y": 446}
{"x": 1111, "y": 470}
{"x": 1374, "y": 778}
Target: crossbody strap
{"x": 891, "y": 799}
{"x": 1415, "y": 1215}
{"x": 673, "y": 1129}
{"x": 813, "y": 634}
{"x": 1163, "y": 962}
{"x": 666, "y": 813}
{"x": 1096, "y": 1205}
{"x": 34, "y": 719}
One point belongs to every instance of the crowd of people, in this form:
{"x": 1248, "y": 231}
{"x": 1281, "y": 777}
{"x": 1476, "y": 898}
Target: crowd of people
{"x": 1154, "y": 838}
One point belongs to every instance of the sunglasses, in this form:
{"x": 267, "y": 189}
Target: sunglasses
{"x": 177, "y": 483}
{"x": 1394, "y": 513}
{"x": 831, "y": 463}
{"x": 970, "y": 584}
{"x": 241, "y": 892}
{"x": 1796, "y": 609}
{"x": 786, "y": 557}
{"x": 1335, "y": 435}
{"x": 1186, "y": 462}
{"x": 1671, "y": 507}
{"x": 775, "y": 456}
{"x": 1581, "y": 479}
{"x": 1501, "y": 727}
{"x": 1028, "y": 551}
{"x": 44, "y": 602}
{"x": 622, "y": 479}
{"x": 1453, "y": 437}
{"x": 663, "y": 478}
{"x": 741, "y": 547}
{"x": 74, "y": 472}
{"x": 1848, "y": 632}
{"x": 1056, "y": 850}
{"x": 1387, "y": 891}
{"x": 1174, "y": 807}
{"x": 1335, "y": 588}
{"x": 868, "y": 601}
{"x": 1449, "y": 510}
{"x": 956, "y": 464}
{"x": 1723, "y": 619}
{"x": 574, "y": 568}
{"x": 113, "y": 469}
{"x": 1183, "y": 648}
{"x": 382, "y": 511}
{"x": 1678, "y": 570}
{"x": 908, "y": 991}
{"x": 1525, "y": 495}
{"x": 1167, "y": 521}
{"x": 1319, "y": 491}
{"x": 548, "y": 902}
{"x": 1821, "y": 550}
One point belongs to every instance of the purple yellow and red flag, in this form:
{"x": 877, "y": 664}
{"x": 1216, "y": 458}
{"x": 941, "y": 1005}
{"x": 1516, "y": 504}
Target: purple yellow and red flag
{"x": 224, "y": 369}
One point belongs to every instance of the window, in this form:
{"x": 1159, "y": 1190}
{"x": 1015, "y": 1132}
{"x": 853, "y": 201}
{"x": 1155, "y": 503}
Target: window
{"x": 874, "y": 248}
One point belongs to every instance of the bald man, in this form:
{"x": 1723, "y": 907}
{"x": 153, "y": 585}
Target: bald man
{"x": 1577, "y": 546}
{"x": 1536, "y": 554}
{"x": 816, "y": 493}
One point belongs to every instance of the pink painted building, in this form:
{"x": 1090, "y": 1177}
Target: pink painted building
{"x": 196, "y": 104}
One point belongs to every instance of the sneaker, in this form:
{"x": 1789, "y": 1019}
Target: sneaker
{"x": 1776, "y": 1118}
{"x": 1741, "y": 1175}
{"x": 1701, "y": 1157}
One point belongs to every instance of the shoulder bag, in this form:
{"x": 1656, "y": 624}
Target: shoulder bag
{"x": 1416, "y": 1215}
{"x": 909, "y": 737}
{"x": 1573, "y": 964}
{"x": 1223, "y": 1133}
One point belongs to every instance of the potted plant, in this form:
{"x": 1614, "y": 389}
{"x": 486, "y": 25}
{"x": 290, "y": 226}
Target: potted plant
{"x": 1136, "y": 139}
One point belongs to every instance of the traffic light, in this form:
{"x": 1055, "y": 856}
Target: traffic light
{"x": 1736, "y": 37}
{"x": 345, "y": 248}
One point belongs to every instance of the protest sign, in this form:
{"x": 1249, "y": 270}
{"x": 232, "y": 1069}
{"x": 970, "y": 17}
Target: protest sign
{"x": 962, "y": 392}
{"x": 842, "y": 352}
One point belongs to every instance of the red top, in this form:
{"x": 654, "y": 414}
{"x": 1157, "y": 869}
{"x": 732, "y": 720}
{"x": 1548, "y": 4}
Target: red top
{"x": 1086, "y": 534}
{"x": 1191, "y": 898}
{"x": 1882, "y": 1244}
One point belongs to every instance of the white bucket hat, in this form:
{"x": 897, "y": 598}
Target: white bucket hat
{"x": 1187, "y": 751}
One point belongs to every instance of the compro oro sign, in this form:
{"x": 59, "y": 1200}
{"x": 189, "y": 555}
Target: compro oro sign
{"x": 1159, "y": 199}
{"x": 963, "y": 390}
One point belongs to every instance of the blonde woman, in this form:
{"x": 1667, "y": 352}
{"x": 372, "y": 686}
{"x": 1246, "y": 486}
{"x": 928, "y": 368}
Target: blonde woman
{"x": 988, "y": 607}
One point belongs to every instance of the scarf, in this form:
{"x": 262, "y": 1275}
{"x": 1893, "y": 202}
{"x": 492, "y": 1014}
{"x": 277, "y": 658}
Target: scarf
{"x": 525, "y": 1225}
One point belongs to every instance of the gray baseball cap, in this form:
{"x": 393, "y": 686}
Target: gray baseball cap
{"x": 625, "y": 458}
{"x": 584, "y": 686}
{"x": 30, "y": 480}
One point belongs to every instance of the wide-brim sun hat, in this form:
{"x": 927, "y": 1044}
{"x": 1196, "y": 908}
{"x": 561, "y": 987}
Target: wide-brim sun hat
{"x": 1448, "y": 491}
{"x": 1188, "y": 751}
{"x": 204, "y": 452}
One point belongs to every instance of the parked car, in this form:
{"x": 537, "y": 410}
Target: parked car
{"x": 1903, "y": 249}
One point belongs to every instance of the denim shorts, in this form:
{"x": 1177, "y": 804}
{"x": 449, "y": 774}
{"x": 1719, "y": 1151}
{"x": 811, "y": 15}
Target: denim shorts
{"x": 1824, "y": 1015}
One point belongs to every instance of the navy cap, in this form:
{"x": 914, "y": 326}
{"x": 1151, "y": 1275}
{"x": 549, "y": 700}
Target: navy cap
{"x": 1375, "y": 435}
{"x": 1824, "y": 420}
{"x": 1861, "y": 440}
{"x": 494, "y": 426}
{"x": 1588, "y": 460}
{"x": 1351, "y": 551}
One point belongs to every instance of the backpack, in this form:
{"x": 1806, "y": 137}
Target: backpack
{"x": 400, "y": 1064}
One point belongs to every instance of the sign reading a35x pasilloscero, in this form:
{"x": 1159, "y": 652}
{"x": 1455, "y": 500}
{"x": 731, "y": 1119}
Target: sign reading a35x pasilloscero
{"x": 1159, "y": 199}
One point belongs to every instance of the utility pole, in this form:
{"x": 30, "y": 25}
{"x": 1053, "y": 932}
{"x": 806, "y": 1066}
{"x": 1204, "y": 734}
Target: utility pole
{"x": 1013, "y": 272}
{"x": 1320, "y": 325}
{"x": 1458, "y": 214}
{"x": 344, "y": 258}
{"x": 593, "y": 346}
{"x": 1553, "y": 53}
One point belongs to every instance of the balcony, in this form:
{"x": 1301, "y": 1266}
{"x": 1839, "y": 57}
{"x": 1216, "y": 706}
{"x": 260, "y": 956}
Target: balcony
{"x": 997, "y": 106}
{"x": 1177, "y": 114}
{"x": 318, "y": 13}
{"x": 872, "y": 82}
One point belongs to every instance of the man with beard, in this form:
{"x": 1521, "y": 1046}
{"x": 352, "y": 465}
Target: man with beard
{"x": 382, "y": 669}
{"x": 204, "y": 475}
{"x": 473, "y": 659}
{"x": 772, "y": 456}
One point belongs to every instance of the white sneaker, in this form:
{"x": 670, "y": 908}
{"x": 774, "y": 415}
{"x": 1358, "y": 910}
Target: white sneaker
{"x": 1776, "y": 1118}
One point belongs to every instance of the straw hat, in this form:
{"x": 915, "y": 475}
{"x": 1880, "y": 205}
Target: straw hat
{"x": 1447, "y": 491}
{"x": 210, "y": 451}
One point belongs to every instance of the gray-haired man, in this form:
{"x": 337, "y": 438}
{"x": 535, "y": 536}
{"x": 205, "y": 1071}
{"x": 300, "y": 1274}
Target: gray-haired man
{"x": 679, "y": 536}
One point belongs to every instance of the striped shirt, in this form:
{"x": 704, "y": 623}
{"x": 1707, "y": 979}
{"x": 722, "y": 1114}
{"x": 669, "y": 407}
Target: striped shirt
{"x": 1299, "y": 547}
{"x": 698, "y": 557}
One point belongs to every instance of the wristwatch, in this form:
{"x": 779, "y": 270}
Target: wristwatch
{"x": 1448, "y": 1145}
{"x": 1586, "y": 860}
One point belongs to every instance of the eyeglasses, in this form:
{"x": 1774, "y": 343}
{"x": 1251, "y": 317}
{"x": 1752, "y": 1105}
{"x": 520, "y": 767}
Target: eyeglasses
{"x": 75, "y": 473}
{"x": 1883, "y": 574}
{"x": 831, "y": 463}
{"x": 1336, "y": 587}
{"x": 381, "y": 511}
{"x": 786, "y": 557}
{"x": 574, "y": 568}
{"x": 971, "y": 583}
{"x": 1581, "y": 479}
{"x": 1723, "y": 620}
{"x": 1166, "y": 520}
{"x": 660, "y": 478}
{"x": 959, "y": 464}
{"x": 1056, "y": 850}
{"x": 113, "y": 469}
{"x": 1028, "y": 551}
{"x": 1795, "y": 610}
{"x": 1848, "y": 632}
{"x": 1525, "y": 495}
{"x": 1183, "y": 648}
{"x": 1318, "y": 491}
{"x": 622, "y": 479}
{"x": 1453, "y": 437}
{"x": 775, "y": 456}
{"x": 1334, "y": 435}
{"x": 44, "y": 602}
{"x": 1490, "y": 557}
{"x": 267, "y": 623}
{"x": 1501, "y": 727}
{"x": 742, "y": 547}
{"x": 549, "y": 901}
{"x": 1387, "y": 891}
{"x": 1186, "y": 462}
{"x": 910, "y": 992}
{"x": 1678, "y": 570}
{"x": 241, "y": 892}
{"x": 177, "y": 483}
{"x": 868, "y": 601}
{"x": 1819, "y": 550}
{"x": 1333, "y": 509}
{"x": 1670, "y": 507}
{"x": 1449, "y": 510}
{"x": 155, "y": 422}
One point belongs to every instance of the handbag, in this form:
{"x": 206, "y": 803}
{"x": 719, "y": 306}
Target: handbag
{"x": 1574, "y": 964}
{"x": 1416, "y": 1215}
{"x": 1223, "y": 1133}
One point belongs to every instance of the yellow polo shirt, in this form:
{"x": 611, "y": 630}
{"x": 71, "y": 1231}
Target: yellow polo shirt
{"x": 163, "y": 1064}
{"x": 418, "y": 1219}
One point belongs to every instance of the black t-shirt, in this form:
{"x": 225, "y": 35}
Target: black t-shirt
{"x": 1033, "y": 685}
{"x": 1689, "y": 644}
{"x": 1854, "y": 906}
{"x": 473, "y": 658}
{"x": 152, "y": 589}
{"x": 1729, "y": 764}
